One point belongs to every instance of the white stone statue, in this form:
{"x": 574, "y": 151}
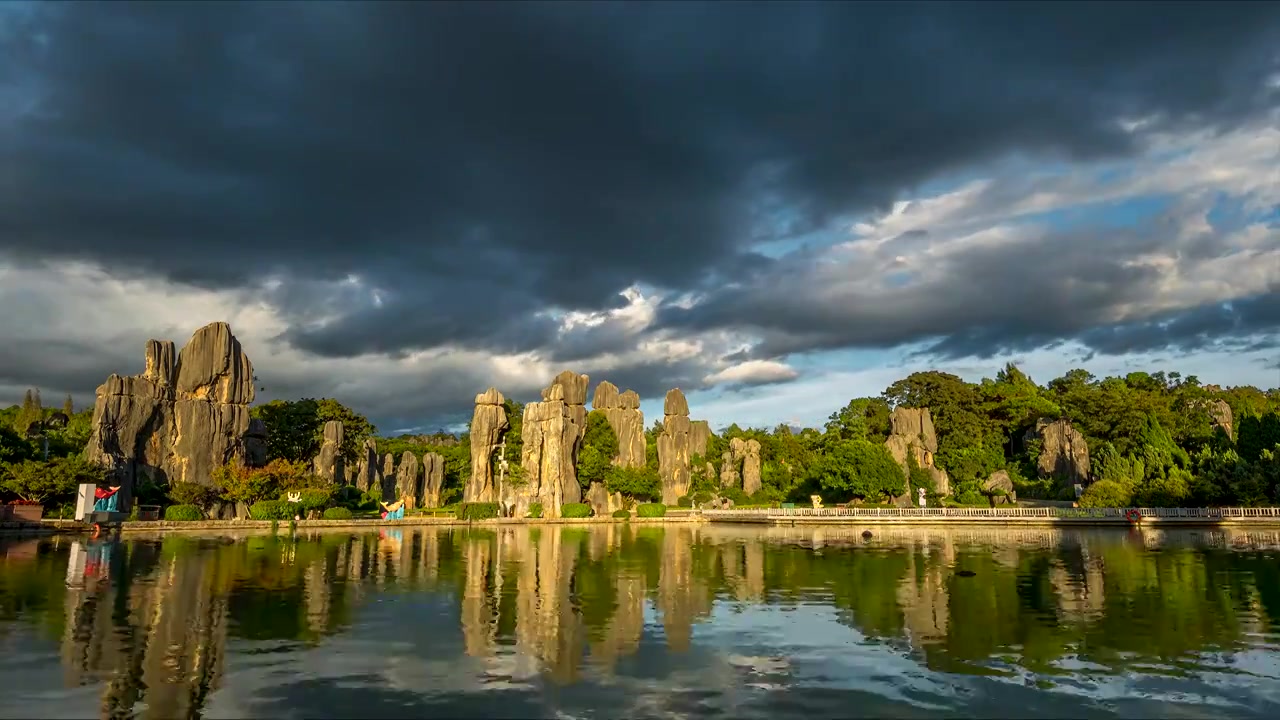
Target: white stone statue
{"x": 923, "y": 502}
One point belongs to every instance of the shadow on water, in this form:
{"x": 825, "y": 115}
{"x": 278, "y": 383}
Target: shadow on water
{"x": 616, "y": 621}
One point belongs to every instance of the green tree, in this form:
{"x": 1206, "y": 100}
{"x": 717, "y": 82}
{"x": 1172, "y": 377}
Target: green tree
{"x": 599, "y": 448}
{"x": 640, "y": 483}
{"x": 858, "y": 468}
{"x": 14, "y": 447}
{"x": 68, "y": 407}
{"x": 295, "y": 429}
{"x": 43, "y": 481}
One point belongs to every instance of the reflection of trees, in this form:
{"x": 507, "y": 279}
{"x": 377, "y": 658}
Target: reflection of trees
{"x": 152, "y": 620}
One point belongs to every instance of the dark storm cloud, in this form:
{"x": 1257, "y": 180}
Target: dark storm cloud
{"x": 478, "y": 163}
{"x": 999, "y": 297}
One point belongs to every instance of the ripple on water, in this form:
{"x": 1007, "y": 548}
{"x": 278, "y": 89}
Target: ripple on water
{"x": 664, "y": 622}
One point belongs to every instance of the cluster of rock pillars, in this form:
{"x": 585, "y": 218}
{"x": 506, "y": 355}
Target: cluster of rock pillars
{"x": 188, "y": 414}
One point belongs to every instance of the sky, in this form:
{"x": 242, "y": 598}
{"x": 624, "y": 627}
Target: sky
{"x": 774, "y": 207}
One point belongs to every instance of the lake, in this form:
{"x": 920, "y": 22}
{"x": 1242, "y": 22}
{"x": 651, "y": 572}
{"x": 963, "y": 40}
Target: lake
{"x": 644, "y": 621}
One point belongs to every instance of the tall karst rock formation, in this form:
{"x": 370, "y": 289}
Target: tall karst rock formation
{"x": 624, "y": 415}
{"x": 488, "y": 425}
{"x": 328, "y": 463}
{"x": 177, "y": 421}
{"x": 674, "y": 447}
{"x": 912, "y": 434}
{"x": 552, "y": 432}
{"x": 622, "y": 410}
{"x": 1064, "y": 454}
{"x": 743, "y": 456}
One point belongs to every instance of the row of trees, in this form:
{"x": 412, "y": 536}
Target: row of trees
{"x": 1152, "y": 439}
{"x": 41, "y": 454}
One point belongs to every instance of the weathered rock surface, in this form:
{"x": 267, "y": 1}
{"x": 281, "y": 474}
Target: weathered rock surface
{"x": 367, "y": 476}
{"x": 746, "y": 454}
{"x": 179, "y": 420}
{"x": 912, "y": 434}
{"x": 387, "y": 478}
{"x": 255, "y": 444}
{"x": 602, "y": 501}
{"x": 573, "y": 391}
{"x": 432, "y": 479}
{"x": 328, "y": 464}
{"x": 624, "y": 415}
{"x": 740, "y": 466}
{"x": 409, "y": 480}
{"x": 674, "y": 447}
{"x": 552, "y": 434}
{"x": 488, "y": 425}
{"x": 699, "y": 437}
{"x": 1064, "y": 455}
{"x": 1000, "y": 480}
{"x": 729, "y": 476}
{"x": 1220, "y": 412}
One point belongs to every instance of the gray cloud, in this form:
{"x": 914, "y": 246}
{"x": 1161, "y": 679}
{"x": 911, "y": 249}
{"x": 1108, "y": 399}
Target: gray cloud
{"x": 479, "y": 163}
{"x": 471, "y": 166}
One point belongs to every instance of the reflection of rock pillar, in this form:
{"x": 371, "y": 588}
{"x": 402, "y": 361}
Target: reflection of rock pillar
{"x": 922, "y": 595}
{"x": 185, "y": 642}
{"x": 526, "y": 552}
{"x": 475, "y": 598}
{"x": 754, "y": 572}
{"x": 315, "y": 586}
{"x": 627, "y": 625}
{"x": 731, "y": 563}
{"x": 431, "y": 555}
{"x": 674, "y": 589}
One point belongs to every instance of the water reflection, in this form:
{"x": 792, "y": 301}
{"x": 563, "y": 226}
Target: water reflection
{"x": 643, "y": 620}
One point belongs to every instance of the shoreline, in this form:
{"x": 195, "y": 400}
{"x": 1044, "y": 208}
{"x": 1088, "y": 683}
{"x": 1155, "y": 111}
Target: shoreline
{"x": 719, "y": 518}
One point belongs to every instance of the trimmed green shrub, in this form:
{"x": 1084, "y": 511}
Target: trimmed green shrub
{"x": 651, "y": 510}
{"x": 183, "y": 513}
{"x": 535, "y": 510}
{"x": 272, "y": 510}
{"x": 477, "y": 511}
{"x": 337, "y": 513}
{"x": 576, "y": 510}
{"x": 622, "y": 514}
{"x": 685, "y": 501}
{"x": 311, "y": 499}
{"x": 702, "y": 498}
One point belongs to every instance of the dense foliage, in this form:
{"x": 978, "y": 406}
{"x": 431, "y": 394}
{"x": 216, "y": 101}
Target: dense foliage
{"x": 651, "y": 510}
{"x": 575, "y": 510}
{"x": 1152, "y": 440}
{"x": 183, "y": 513}
{"x": 337, "y": 513}
{"x": 478, "y": 511}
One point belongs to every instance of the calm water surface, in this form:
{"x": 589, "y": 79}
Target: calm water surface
{"x": 647, "y": 621}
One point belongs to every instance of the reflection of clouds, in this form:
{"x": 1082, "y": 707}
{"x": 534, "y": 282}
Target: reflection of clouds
{"x": 748, "y": 623}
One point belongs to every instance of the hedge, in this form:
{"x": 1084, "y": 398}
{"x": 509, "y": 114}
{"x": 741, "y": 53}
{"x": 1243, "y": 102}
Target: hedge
{"x": 702, "y": 498}
{"x": 337, "y": 513}
{"x": 622, "y": 514}
{"x": 272, "y": 510}
{"x": 535, "y": 510}
{"x": 183, "y": 513}
{"x": 575, "y": 510}
{"x": 311, "y": 499}
{"x": 684, "y": 501}
{"x": 477, "y": 511}
{"x": 651, "y": 510}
